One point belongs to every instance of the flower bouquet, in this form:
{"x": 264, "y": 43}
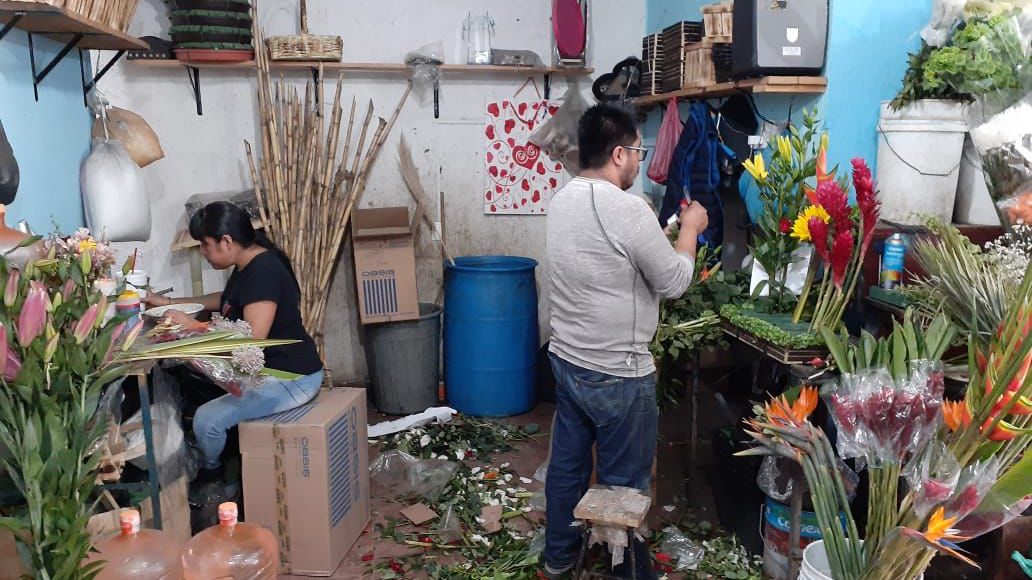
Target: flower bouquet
{"x": 841, "y": 237}
{"x": 962, "y": 465}
{"x": 783, "y": 192}
{"x": 96, "y": 256}
{"x": 242, "y": 367}
{"x": 57, "y": 355}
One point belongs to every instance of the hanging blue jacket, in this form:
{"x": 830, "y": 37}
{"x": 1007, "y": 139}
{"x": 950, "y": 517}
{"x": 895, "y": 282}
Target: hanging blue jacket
{"x": 695, "y": 173}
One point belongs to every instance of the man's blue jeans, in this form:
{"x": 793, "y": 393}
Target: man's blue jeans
{"x": 620, "y": 417}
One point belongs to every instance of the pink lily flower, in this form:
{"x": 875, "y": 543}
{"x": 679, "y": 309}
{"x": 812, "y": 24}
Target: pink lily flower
{"x": 33, "y": 315}
{"x": 86, "y": 323}
{"x": 11, "y": 289}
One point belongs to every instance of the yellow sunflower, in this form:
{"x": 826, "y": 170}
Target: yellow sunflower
{"x": 801, "y": 227}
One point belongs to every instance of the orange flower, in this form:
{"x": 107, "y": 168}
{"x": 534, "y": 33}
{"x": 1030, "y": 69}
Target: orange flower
{"x": 780, "y": 410}
{"x": 939, "y": 527}
{"x": 956, "y": 414}
{"x": 705, "y": 274}
{"x": 940, "y": 536}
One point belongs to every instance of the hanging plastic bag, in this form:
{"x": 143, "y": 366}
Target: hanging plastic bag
{"x": 558, "y": 137}
{"x": 666, "y": 142}
{"x": 116, "y": 201}
{"x": 132, "y": 130}
{"x": 9, "y": 175}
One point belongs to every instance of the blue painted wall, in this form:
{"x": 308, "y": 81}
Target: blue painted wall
{"x": 867, "y": 55}
{"x": 50, "y": 138}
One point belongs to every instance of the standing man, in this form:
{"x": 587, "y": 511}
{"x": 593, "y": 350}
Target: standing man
{"x": 610, "y": 264}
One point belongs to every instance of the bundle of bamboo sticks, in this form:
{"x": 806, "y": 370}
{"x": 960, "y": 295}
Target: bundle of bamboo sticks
{"x": 306, "y": 192}
{"x": 114, "y": 13}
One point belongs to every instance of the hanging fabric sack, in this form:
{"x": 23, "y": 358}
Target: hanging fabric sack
{"x": 132, "y": 130}
{"x": 114, "y": 196}
{"x": 666, "y": 142}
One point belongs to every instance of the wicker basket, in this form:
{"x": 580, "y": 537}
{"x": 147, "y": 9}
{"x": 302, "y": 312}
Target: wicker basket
{"x": 117, "y": 14}
{"x": 305, "y": 46}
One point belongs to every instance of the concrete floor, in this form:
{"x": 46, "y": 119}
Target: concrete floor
{"x": 525, "y": 459}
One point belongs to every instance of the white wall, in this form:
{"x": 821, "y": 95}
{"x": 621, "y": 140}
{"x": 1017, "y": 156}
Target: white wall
{"x": 206, "y": 153}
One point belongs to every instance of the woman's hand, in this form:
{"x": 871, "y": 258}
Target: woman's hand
{"x": 151, "y": 299}
{"x": 179, "y": 317}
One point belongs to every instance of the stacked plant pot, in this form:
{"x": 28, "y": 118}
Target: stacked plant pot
{"x": 211, "y": 29}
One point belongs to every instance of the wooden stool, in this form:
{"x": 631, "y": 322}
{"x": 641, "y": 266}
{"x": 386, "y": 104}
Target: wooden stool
{"x": 615, "y": 508}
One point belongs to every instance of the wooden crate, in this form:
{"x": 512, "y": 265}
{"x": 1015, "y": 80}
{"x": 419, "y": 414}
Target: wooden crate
{"x": 651, "y": 83}
{"x": 652, "y": 54}
{"x": 698, "y": 65}
{"x": 718, "y": 21}
{"x": 773, "y": 351}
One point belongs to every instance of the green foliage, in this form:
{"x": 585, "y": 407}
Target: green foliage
{"x": 688, "y": 324}
{"x": 985, "y": 54}
{"x": 49, "y": 422}
{"x": 907, "y": 342}
{"x": 763, "y": 327}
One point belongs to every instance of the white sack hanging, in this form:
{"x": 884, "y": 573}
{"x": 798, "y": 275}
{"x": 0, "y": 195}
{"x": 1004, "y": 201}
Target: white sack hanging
{"x": 115, "y": 198}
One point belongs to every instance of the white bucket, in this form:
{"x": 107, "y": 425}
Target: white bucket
{"x": 919, "y": 152}
{"x": 815, "y": 563}
{"x": 974, "y": 205}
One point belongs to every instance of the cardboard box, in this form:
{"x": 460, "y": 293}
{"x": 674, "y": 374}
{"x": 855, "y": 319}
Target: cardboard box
{"x": 385, "y": 265}
{"x": 306, "y": 478}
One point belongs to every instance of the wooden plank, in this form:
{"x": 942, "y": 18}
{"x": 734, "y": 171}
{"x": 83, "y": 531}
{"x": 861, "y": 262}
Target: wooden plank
{"x": 59, "y": 23}
{"x": 784, "y": 85}
{"x": 369, "y": 67}
{"x": 617, "y": 506}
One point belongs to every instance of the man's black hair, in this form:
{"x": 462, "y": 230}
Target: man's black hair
{"x": 601, "y": 129}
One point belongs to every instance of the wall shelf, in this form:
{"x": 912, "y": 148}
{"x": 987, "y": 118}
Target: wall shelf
{"x": 368, "y": 67}
{"x": 787, "y": 85}
{"x": 73, "y": 29}
{"x": 194, "y": 71}
{"x": 60, "y": 24}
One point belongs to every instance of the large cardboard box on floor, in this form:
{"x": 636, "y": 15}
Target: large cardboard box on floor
{"x": 385, "y": 265}
{"x": 306, "y": 478}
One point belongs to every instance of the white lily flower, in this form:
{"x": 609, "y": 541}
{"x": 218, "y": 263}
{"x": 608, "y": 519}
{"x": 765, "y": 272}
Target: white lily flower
{"x": 525, "y": 481}
{"x": 508, "y": 477}
{"x": 460, "y": 454}
{"x": 476, "y": 470}
{"x": 424, "y": 441}
{"x": 504, "y": 465}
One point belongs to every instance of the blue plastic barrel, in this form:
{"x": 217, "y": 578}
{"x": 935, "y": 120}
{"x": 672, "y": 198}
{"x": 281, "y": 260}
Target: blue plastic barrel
{"x": 490, "y": 335}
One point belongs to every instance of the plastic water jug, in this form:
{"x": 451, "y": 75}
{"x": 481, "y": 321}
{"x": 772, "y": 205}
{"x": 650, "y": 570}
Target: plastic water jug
{"x": 231, "y": 550}
{"x": 137, "y": 554}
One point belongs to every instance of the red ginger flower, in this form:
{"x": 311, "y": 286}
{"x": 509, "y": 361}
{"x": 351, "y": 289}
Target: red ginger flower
{"x": 841, "y": 253}
{"x": 819, "y": 236}
{"x": 866, "y": 197}
{"x": 835, "y": 201}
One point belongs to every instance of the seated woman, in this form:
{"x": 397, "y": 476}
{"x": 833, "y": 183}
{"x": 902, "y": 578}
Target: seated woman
{"x": 263, "y": 291}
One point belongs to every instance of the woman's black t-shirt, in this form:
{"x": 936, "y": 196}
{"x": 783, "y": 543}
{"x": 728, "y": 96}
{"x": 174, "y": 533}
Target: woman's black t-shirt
{"x": 266, "y": 278}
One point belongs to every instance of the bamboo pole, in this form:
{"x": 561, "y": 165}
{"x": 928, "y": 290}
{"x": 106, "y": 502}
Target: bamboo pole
{"x": 307, "y": 183}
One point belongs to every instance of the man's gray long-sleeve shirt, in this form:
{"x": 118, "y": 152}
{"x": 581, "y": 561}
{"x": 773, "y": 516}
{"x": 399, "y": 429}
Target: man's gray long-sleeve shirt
{"x": 609, "y": 266}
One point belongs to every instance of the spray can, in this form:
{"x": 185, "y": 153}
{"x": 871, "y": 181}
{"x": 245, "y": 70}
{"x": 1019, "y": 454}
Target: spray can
{"x": 893, "y": 257}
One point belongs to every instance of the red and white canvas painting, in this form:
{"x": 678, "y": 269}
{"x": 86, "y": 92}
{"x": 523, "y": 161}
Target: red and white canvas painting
{"x": 520, "y": 178}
